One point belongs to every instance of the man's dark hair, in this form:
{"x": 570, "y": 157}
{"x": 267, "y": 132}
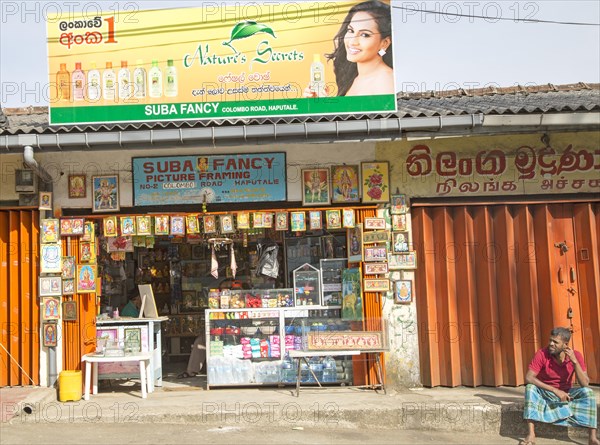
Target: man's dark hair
{"x": 563, "y": 333}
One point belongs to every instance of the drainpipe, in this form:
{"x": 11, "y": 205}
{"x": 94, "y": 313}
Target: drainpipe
{"x": 30, "y": 162}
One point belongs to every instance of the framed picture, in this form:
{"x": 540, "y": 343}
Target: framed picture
{"x": 24, "y": 181}
{"x": 161, "y": 225}
{"x": 120, "y": 244}
{"x": 109, "y": 225}
{"x": 127, "y": 226}
{"x": 210, "y": 223}
{"x": 298, "y": 223}
{"x": 133, "y": 340}
{"x": 50, "y": 308}
{"x": 45, "y": 201}
{"x": 375, "y": 253}
{"x": 348, "y": 220}
{"x": 177, "y": 225}
{"x": 50, "y": 335}
{"x": 87, "y": 252}
{"x": 50, "y": 258}
{"x": 268, "y": 220}
{"x": 72, "y": 226}
{"x": 243, "y": 220}
{"x": 345, "y": 184}
{"x": 399, "y": 222}
{"x": 77, "y": 186}
{"x": 377, "y": 236}
{"x": 227, "y": 223}
{"x": 68, "y": 286}
{"x": 69, "y": 309}
{"x": 355, "y": 244}
{"x": 376, "y": 285}
{"x": 143, "y": 225}
{"x": 89, "y": 231}
{"x": 315, "y": 187}
{"x": 314, "y": 217}
{"x": 105, "y": 193}
{"x": 68, "y": 267}
{"x": 281, "y": 221}
{"x": 375, "y": 268}
{"x": 86, "y": 278}
{"x": 50, "y": 286}
{"x": 188, "y": 298}
{"x": 403, "y": 261}
{"x": 403, "y": 291}
{"x": 399, "y": 205}
{"x": 328, "y": 246}
{"x": 352, "y": 307}
{"x": 334, "y": 220}
{"x": 258, "y": 220}
{"x": 375, "y": 182}
{"x": 374, "y": 224}
{"x": 400, "y": 242}
{"x": 50, "y": 230}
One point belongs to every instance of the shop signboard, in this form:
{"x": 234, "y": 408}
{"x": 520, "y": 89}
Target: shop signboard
{"x": 219, "y": 61}
{"x": 216, "y": 179}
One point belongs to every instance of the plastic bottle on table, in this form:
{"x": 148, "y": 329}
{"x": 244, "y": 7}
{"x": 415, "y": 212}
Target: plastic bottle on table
{"x": 288, "y": 370}
{"x": 317, "y": 368}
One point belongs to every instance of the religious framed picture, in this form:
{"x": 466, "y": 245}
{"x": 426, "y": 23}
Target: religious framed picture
{"x": 68, "y": 267}
{"x": 89, "y": 231}
{"x": 374, "y": 223}
{"x": 348, "y": 220}
{"x": 333, "y": 218}
{"x": 403, "y": 260}
{"x": 109, "y": 225}
{"x": 345, "y": 184}
{"x": 399, "y": 205}
{"x": 375, "y": 182}
{"x": 50, "y": 308}
{"x": 258, "y": 220}
{"x": 210, "y": 223}
{"x": 69, "y": 310}
{"x": 268, "y": 220}
{"x": 298, "y": 223}
{"x": 87, "y": 252}
{"x": 376, "y": 285}
{"x": 376, "y": 236}
{"x": 281, "y": 221}
{"x": 86, "y": 278}
{"x": 315, "y": 187}
{"x": 45, "y": 202}
{"x": 127, "y": 226}
{"x": 403, "y": 291}
{"x": 355, "y": 244}
{"x": 400, "y": 242}
{"x": 105, "y": 193}
{"x": 68, "y": 286}
{"x": 375, "y": 268}
{"x": 143, "y": 225}
{"x": 192, "y": 225}
{"x": 50, "y": 230}
{"x": 375, "y": 253}
{"x": 177, "y": 225}
{"x": 243, "y": 220}
{"x": 77, "y": 186}
{"x": 314, "y": 218}
{"x": 227, "y": 223}
{"x": 50, "y": 286}
{"x": 50, "y": 335}
{"x": 72, "y": 226}
{"x": 50, "y": 258}
{"x": 161, "y": 225}
{"x": 399, "y": 222}
{"x": 352, "y": 303}
{"x": 133, "y": 340}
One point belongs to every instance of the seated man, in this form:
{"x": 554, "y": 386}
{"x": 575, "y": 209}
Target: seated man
{"x": 132, "y": 308}
{"x": 549, "y": 397}
{"x": 197, "y": 358}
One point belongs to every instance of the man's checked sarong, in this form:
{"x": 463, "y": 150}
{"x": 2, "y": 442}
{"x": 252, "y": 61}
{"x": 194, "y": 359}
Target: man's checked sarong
{"x": 545, "y": 406}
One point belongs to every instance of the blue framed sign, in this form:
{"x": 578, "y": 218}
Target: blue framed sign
{"x": 166, "y": 180}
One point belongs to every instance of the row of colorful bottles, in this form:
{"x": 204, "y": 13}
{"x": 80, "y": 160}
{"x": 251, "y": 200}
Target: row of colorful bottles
{"x": 109, "y": 85}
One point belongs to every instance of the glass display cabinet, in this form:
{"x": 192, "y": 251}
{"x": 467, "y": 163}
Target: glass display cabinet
{"x": 307, "y": 286}
{"x": 331, "y": 281}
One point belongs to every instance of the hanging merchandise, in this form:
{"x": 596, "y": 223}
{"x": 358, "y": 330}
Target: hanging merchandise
{"x": 267, "y": 263}
{"x": 214, "y": 265}
{"x": 233, "y": 262}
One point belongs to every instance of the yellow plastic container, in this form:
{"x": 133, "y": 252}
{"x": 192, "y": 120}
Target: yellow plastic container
{"x": 69, "y": 386}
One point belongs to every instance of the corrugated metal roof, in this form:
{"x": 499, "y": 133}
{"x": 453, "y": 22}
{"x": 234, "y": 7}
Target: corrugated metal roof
{"x": 511, "y": 100}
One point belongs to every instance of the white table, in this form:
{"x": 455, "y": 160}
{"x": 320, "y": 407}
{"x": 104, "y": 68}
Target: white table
{"x": 91, "y": 370}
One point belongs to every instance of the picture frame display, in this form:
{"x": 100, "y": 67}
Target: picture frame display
{"x": 345, "y": 184}
{"x": 50, "y": 258}
{"x": 403, "y": 291}
{"x": 268, "y": 220}
{"x": 127, "y": 226}
{"x": 68, "y": 267}
{"x": 69, "y": 310}
{"x": 334, "y": 219}
{"x": 227, "y": 223}
{"x": 45, "y": 202}
{"x": 143, "y": 225}
{"x": 399, "y": 222}
{"x": 68, "y": 286}
{"x": 399, "y": 204}
{"x": 109, "y": 225}
{"x": 89, "y": 231}
{"x": 210, "y": 223}
{"x": 192, "y": 226}
{"x": 375, "y": 182}
{"x": 400, "y": 242}
{"x": 132, "y": 340}
{"x": 50, "y": 230}
{"x": 77, "y": 186}
{"x": 375, "y": 253}
{"x": 377, "y": 236}
{"x": 352, "y": 306}
{"x": 258, "y": 220}
{"x": 315, "y": 187}
{"x": 72, "y": 226}
{"x": 50, "y": 335}
{"x": 50, "y": 286}
{"x": 376, "y": 285}
{"x": 105, "y": 193}
{"x": 355, "y": 244}
{"x": 374, "y": 224}
{"x": 348, "y": 220}
{"x": 177, "y": 225}
{"x": 298, "y": 221}
{"x": 161, "y": 225}
{"x": 243, "y": 220}
{"x": 86, "y": 278}
{"x": 403, "y": 261}
{"x": 50, "y": 308}
{"x": 315, "y": 221}
{"x": 281, "y": 221}
{"x": 87, "y": 252}
{"x": 375, "y": 268}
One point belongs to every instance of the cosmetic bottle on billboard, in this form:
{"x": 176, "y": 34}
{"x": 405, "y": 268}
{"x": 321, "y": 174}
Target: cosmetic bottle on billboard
{"x": 139, "y": 80}
{"x": 93, "y": 83}
{"x": 78, "y": 81}
{"x": 317, "y": 76}
{"x": 124, "y": 78}
{"x": 155, "y": 80}
{"x": 63, "y": 83}
{"x": 171, "y": 78}
{"x": 109, "y": 83}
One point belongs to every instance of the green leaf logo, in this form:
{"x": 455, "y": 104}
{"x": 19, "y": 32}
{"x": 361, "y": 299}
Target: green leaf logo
{"x": 245, "y": 29}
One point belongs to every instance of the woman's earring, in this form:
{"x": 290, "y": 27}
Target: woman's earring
{"x": 381, "y": 52}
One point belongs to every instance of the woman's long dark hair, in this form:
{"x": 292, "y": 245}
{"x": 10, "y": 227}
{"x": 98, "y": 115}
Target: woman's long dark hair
{"x": 346, "y": 72}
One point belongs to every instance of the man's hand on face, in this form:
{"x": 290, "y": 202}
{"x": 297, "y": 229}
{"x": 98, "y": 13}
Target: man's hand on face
{"x": 569, "y": 352}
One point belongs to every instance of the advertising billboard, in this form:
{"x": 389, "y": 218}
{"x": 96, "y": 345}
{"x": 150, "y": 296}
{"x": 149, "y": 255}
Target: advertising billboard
{"x": 221, "y": 61}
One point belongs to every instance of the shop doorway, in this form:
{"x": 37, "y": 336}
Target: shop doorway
{"x": 494, "y": 279}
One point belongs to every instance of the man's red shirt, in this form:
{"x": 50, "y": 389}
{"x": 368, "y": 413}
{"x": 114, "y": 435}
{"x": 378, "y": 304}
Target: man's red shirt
{"x": 550, "y": 372}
